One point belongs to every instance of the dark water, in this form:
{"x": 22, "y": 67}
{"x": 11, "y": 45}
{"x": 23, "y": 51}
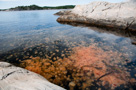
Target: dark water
{"x": 36, "y": 33}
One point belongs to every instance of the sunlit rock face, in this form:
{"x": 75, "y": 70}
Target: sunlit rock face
{"x": 15, "y": 78}
{"x": 117, "y": 15}
{"x": 105, "y": 10}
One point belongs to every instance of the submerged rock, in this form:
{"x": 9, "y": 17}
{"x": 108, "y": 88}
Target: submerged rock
{"x": 104, "y": 14}
{"x": 15, "y": 78}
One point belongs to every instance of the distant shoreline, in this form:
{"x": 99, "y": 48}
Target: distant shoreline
{"x": 35, "y": 10}
{"x": 35, "y": 7}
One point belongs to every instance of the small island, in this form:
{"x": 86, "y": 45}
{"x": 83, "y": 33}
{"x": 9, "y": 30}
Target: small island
{"x": 36, "y": 7}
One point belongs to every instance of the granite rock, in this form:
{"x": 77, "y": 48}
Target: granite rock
{"x": 16, "y": 78}
{"x": 114, "y": 15}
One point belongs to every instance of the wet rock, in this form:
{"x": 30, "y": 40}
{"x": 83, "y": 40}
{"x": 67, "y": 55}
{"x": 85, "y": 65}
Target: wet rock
{"x": 103, "y": 14}
{"x": 15, "y": 78}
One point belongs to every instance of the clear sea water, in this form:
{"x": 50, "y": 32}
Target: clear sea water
{"x": 27, "y": 29}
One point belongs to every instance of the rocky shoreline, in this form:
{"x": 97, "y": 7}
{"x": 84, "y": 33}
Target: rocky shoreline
{"x": 16, "y": 78}
{"x": 102, "y": 14}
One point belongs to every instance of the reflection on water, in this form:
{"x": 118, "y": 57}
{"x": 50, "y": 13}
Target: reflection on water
{"x": 72, "y": 57}
{"x": 123, "y": 33}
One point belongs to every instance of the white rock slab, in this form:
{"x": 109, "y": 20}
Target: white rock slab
{"x": 119, "y": 15}
{"x": 16, "y": 78}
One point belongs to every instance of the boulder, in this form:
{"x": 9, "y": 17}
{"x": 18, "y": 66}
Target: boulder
{"x": 16, "y": 78}
{"x": 104, "y": 14}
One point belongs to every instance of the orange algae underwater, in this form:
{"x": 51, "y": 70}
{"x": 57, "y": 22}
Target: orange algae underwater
{"x": 84, "y": 66}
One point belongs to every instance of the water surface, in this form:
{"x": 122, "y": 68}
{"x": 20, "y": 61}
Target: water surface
{"x": 25, "y": 34}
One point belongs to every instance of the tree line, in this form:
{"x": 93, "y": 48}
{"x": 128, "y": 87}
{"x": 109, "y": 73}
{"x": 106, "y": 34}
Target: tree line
{"x": 35, "y": 7}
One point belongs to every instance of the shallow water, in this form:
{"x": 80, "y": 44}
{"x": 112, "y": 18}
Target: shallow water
{"x": 28, "y": 34}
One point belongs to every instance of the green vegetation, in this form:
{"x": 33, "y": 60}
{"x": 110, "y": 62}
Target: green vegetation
{"x": 2, "y": 9}
{"x": 35, "y": 7}
{"x": 60, "y": 7}
{"x": 31, "y": 7}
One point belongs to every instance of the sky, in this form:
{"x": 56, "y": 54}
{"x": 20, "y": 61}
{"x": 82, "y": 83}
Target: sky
{"x": 5, "y": 4}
